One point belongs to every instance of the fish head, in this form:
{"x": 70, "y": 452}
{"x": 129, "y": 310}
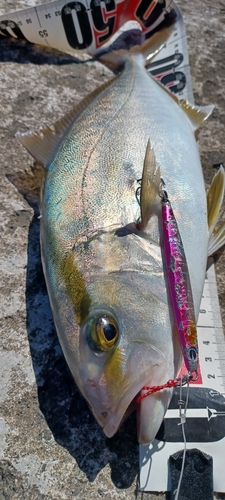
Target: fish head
{"x": 125, "y": 342}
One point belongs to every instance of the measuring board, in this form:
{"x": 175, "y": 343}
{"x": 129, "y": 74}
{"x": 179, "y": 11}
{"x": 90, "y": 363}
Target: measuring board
{"x": 205, "y": 422}
{"x": 86, "y": 25}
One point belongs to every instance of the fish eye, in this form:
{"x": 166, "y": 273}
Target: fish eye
{"x": 102, "y": 332}
{"x": 106, "y": 329}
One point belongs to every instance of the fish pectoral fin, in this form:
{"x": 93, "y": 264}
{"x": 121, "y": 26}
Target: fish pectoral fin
{"x": 150, "y": 186}
{"x": 44, "y": 144}
{"x": 215, "y": 198}
{"x": 217, "y": 239}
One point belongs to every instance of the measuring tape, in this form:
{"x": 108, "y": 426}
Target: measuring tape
{"x": 205, "y": 416}
{"x": 211, "y": 337}
{"x": 83, "y": 25}
{"x": 86, "y": 25}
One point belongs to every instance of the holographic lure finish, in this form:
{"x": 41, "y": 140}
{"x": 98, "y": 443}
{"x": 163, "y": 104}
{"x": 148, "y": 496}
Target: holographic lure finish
{"x": 179, "y": 286}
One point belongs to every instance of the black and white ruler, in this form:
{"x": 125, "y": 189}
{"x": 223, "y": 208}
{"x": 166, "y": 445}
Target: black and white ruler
{"x": 85, "y": 25}
{"x": 205, "y": 422}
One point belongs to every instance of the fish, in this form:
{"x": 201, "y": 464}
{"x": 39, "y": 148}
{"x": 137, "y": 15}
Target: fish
{"x": 101, "y": 236}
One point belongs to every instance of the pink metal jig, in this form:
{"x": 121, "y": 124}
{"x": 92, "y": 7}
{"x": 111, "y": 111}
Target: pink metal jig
{"x": 179, "y": 285}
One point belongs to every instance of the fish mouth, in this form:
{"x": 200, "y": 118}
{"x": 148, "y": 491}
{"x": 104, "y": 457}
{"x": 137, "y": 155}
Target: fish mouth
{"x": 150, "y": 410}
{"x": 124, "y": 408}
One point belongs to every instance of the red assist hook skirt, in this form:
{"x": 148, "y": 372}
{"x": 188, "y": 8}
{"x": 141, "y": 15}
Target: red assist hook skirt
{"x": 179, "y": 285}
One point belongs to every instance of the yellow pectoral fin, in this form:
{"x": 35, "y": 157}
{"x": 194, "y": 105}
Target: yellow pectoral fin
{"x": 217, "y": 239}
{"x": 215, "y": 197}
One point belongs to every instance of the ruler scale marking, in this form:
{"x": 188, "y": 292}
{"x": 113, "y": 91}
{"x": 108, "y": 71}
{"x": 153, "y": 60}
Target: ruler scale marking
{"x": 59, "y": 25}
{"x": 212, "y": 363}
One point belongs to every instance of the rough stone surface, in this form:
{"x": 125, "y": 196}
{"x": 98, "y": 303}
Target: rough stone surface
{"x": 50, "y": 446}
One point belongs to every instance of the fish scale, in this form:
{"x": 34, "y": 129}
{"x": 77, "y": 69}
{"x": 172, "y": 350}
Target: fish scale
{"x": 104, "y": 275}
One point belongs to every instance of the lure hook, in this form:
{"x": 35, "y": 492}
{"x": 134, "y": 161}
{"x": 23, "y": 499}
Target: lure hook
{"x": 163, "y": 193}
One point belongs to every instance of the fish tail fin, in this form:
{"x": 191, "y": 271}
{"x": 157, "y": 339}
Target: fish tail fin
{"x": 215, "y": 198}
{"x": 133, "y": 41}
{"x": 150, "y": 187}
{"x": 153, "y": 45}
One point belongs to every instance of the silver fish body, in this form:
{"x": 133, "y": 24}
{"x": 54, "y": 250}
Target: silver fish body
{"x": 102, "y": 274}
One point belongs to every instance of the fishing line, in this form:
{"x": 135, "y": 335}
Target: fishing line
{"x": 181, "y": 301}
{"x": 183, "y": 404}
{"x": 182, "y": 413}
{"x": 175, "y": 382}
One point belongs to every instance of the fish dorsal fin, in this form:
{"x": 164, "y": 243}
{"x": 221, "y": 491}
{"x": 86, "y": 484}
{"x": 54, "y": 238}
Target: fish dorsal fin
{"x": 44, "y": 144}
{"x": 150, "y": 184}
{"x": 195, "y": 115}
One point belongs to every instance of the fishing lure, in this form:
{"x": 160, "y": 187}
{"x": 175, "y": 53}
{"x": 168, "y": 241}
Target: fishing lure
{"x": 179, "y": 285}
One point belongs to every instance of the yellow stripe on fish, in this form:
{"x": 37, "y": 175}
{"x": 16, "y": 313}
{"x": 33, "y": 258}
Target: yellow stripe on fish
{"x": 76, "y": 287}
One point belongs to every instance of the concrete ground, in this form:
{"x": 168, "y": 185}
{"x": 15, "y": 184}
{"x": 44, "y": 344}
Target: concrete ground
{"x": 51, "y": 447}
